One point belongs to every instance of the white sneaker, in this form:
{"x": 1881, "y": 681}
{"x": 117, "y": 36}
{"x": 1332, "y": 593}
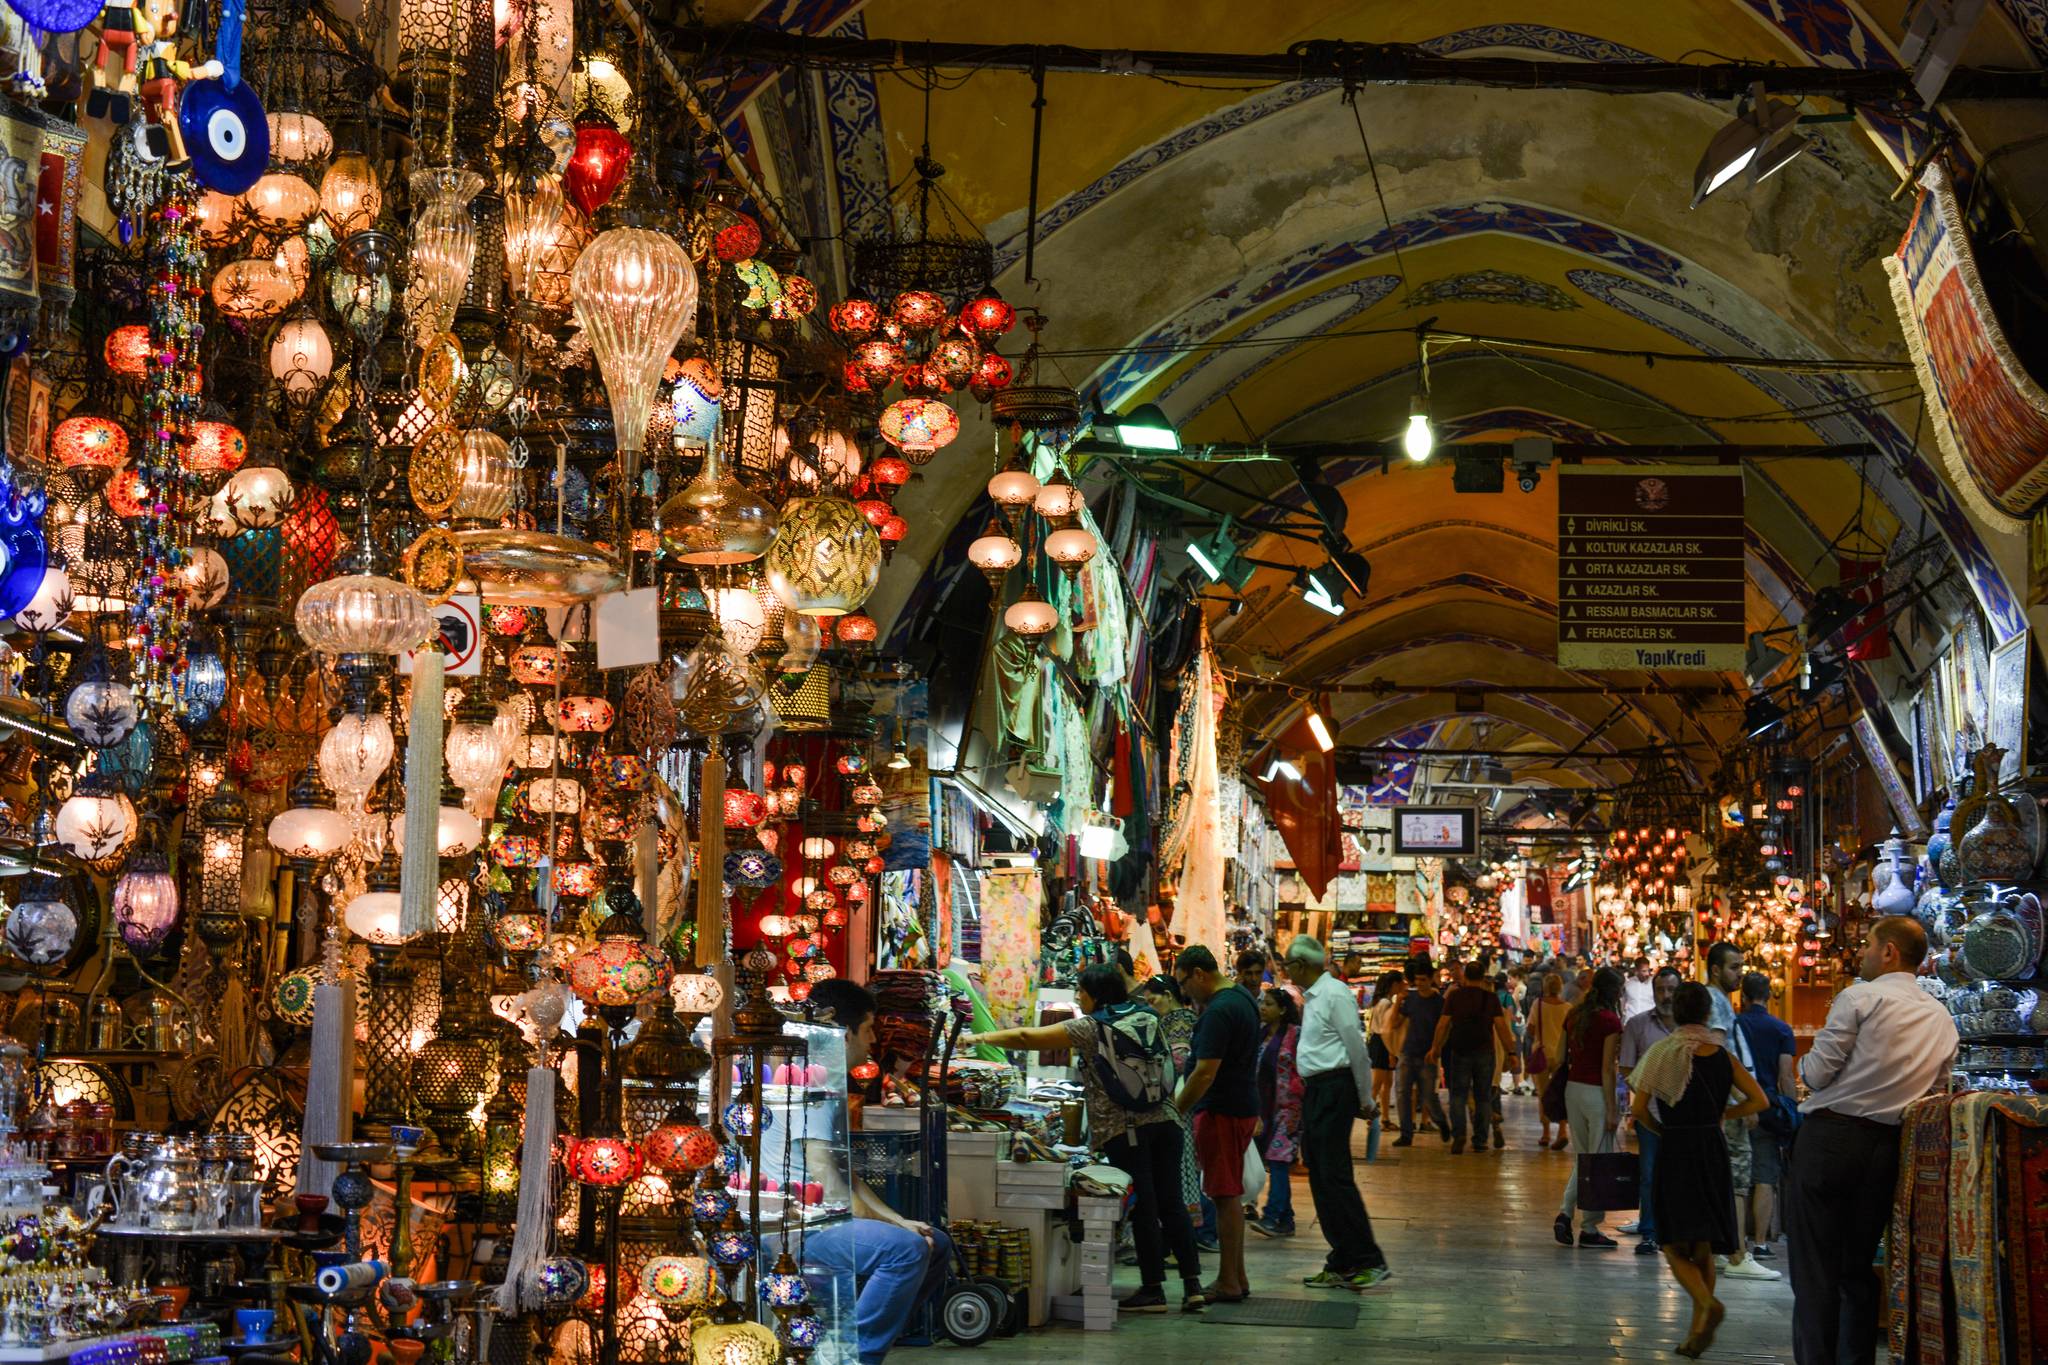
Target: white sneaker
{"x": 1748, "y": 1268}
{"x": 1630, "y": 1228}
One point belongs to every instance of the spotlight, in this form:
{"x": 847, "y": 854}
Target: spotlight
{"x": 1762, "y": 717}
{"x": 1418, "y": 440}
{"x": 1145, "y": 427}
{"x": 1320, "y": 729}
{"x": 1757, "y": 143}
{"x": 1354, "y": 568}
{"x": 1527, "y": 476}
{"x": 1321, "y": 589}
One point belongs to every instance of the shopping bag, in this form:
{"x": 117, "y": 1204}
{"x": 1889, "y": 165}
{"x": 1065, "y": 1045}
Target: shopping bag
{"x": 1608, "y": 1181}
{"x": 1254, "y": 1173}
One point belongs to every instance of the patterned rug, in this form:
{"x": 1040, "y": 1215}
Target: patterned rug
{"x": 2026, "y": 1237}
{"x": 1916, "y": 1262}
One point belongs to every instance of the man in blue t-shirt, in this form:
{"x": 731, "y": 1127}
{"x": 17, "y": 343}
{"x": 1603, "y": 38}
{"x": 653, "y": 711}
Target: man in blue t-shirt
{"x": 1418, "y": 1013}
{"x": 1773, "y": 1053}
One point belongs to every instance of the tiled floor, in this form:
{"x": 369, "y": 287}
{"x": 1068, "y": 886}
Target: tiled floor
{"x": 1477, "y": 1278}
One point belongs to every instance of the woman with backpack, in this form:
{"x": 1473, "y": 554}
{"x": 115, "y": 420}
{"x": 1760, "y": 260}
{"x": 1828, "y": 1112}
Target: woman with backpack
{"x": 1126, "y": 1079}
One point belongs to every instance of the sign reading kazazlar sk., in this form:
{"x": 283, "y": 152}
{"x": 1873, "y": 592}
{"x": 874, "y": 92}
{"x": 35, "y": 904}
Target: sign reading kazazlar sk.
{"x": 1649, "y": 567}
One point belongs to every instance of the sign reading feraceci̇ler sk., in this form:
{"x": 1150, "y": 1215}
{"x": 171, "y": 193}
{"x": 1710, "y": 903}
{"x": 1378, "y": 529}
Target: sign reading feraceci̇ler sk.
{"x": 1649, "y": 567}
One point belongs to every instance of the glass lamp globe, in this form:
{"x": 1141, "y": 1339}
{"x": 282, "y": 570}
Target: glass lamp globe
{"x": 715, "y": 519}
{"x": 919, "y": 426}
{"x": 298, "y": 139}
{"x": 1070, "y": 548}
{"x": 826, "y": 558}
{"x": 476, "y": 754}
{"x": 373, "y": 917}
{"x": 128, "y": 350}
{"x": 89, "y": 441}
{"x": 487, "y": 478}
{"x": 533, "y": 224}
{"x": 1013, "y": 489}
{"x": 350, "y": 196}
{"x": 694, "y": 405}
{"x": 741, "y": 618}
{"x": 43, "y": 926}
{"x": 94, "y": 821}
{"x": 635, "y": 296}
{"x": 51, "y": 605}
{"x": 101, "y": 712}
{"x": 443, "y": 245}
{"x": 355, "y": 753}
{"x": 1031, "y": 615}
{"x": 994, "y": 552}
{"x": 146, "y": 902}
{"x": 693, "y": 993}
{"x": 258, "y": 496}
{"x": 362, "y": 614}
{"x": 282, "y": 202}
{"x": 301, "y": 355}
{"x": 308, "y": 832}
{"x": 1058, "y": 500}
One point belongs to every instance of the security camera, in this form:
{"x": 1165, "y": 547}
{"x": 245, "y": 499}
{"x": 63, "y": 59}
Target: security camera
{"x": 1527, "y": 476}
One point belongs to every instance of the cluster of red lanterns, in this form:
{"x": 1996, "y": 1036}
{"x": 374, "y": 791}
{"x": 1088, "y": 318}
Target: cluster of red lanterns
{"x": 1646, "y": 861}
{"x": 922, "y": 346}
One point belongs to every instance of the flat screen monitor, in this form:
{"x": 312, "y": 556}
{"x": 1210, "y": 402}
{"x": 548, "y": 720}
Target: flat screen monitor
{"x": 1436, "y": 831}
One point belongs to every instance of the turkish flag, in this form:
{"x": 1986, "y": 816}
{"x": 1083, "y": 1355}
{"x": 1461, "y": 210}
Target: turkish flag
{"x": 1867, "y": 635}
{"x": 1304, "y": 809}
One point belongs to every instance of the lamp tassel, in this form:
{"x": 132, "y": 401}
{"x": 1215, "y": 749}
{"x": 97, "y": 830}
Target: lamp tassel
{"x": 711, "y": 860}
{"x": 536, "y": 1220}
{"x": 419, "y": 869}
{"x": 330, "y": 1070}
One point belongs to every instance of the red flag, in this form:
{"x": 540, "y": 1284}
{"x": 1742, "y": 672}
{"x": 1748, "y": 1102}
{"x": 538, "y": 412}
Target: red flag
{"x": 1867, "y": 636}
{"x": 1305, "y": 807}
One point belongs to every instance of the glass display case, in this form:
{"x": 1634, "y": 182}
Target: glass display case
{"x": 787, "y": 1104}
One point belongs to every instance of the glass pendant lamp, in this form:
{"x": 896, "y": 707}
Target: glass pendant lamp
{"x": 1013, "y": 488}
{"x": 443, "y": 246}
{"x": 715, "y": 519}
{"x": 486, "y": 478}
{"x": 350, "y": 197}
{"x": 826, "y": 558}
{"x": 635, "y": 296}
{"x": 994, "y": 553}
{"x": 1031, "y": 615}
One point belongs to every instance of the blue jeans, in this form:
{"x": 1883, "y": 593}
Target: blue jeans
{"x": 1646, "y": 1152}
{"x": 1279, "y": 1195}
{"x": 1472, "y": 1077}
{"x": 896, "y": 1269}
{"x": 1415, "y": 1085}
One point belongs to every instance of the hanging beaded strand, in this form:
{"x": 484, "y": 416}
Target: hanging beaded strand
{"x": 170, "y": 408}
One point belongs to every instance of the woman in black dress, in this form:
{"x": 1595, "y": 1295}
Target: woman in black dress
{"x": 1679, "y": 1091}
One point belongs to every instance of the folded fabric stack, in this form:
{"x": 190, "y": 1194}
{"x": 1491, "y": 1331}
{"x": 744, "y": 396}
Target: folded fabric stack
{"x": 976, "y": 1085}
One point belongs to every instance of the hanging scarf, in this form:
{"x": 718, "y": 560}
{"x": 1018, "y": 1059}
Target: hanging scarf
{"x": 1666, "y": 1069}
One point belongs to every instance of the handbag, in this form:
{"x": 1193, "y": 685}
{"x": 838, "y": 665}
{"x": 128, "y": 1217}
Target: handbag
{"x": 1782, "y": 1119}
{"x": 1609, "y": 1180}
{"x": 1553, "y": 1097}
{"x": 1539, "y": 1060}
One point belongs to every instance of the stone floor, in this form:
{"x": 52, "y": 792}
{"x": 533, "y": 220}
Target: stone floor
{"x": 1477, "y": 1278}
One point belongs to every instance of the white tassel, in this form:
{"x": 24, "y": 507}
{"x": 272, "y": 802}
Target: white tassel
{"x": 419, "y": 868}
{"x": 330, "y": 1077}
{"x": 536, "y": 1189}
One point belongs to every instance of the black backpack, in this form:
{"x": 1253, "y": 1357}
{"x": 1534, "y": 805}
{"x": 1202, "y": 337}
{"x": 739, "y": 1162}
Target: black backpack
{"x": 1131, "y": 1059}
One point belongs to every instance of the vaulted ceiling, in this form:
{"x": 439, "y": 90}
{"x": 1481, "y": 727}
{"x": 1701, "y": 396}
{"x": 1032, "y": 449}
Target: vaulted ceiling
{"x": 1237, "y": 255}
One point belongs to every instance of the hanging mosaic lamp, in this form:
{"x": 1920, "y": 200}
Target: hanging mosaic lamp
{"x": 826, "y": 559}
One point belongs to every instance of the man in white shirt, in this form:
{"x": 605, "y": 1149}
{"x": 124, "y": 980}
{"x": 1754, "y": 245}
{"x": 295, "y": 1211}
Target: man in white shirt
{"x": 1886, "y": 1043}
{"x": 1336, "y": 1078}
{"x": 1639, "y": 991}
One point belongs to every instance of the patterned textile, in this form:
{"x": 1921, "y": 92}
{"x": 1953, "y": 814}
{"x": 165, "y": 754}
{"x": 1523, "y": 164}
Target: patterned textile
{"x": 1916, "y": 1266}
{"x": 1976, "y": 1221}
{"x": 1990, "y": 417}
{"x": 1284, "y": 1140}
{"x": 2026, "y": 1236}
{"x": 1009, "y": 944}
{"x": 1198, "y": 911}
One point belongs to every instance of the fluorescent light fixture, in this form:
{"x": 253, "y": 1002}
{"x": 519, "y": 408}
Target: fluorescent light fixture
{"x": 1320, "y": 728}
{"x": 1216, "y": 556}
{"x": 1280, "y": 767}
{"x": 1418, "y": 440}
{"x": 1199, "y": 552}
{"x": 1755, "y": 144}
{"x": 1146, "y": 427}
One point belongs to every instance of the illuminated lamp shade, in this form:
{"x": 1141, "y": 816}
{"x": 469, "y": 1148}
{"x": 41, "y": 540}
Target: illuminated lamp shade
{"x": 737, "y": 236}
{"x": 835, "y": 918}
{"x": 506, "y": 619}
{"x": 487, "y": 480}
{"x": 878, "y": 360}
{"x": 714, "y": 519}
{"x": 258, "y": 497}
{"x": 918, "y": 310}
{"x": 875, "y": 510}
{"x": 1013, "y": 489}
{"x": 301, "y": 355}
{"x": 584, "y": 715}
{"x": 890, "y": 472}
{"x": 993, "y": 552}
{"x": 742, "y": 620}
{"x": 373, "y": 917}
{"x": 254, "y": 288}
{"x": 350, "y": 197}
{"x": 604, "y": 1161}
{"x": 919, "y": 426}
{"x": 1031, "y": 615}
{"x": 620, "y": 969}
{"x": 308, "y": 832}
{"x": 678, "y": 1281}
{"x": 856, "y": 631}
{"x": 127, "y": 494}
{"x": 744, "y": 809}
{"x": 867, "y": 794}
{"x": 1070, "y": 548}
{"x": 128, "y": 352}
{"x": 101, "y": 712}
{"x": 146, "y": 902}
{"x": 892, "y": 530}
{"x": 217, "y": 447}
{"x": 817, "y": 848}
{"x": 1058, "y": 501}
{"x": 693, "y": 993}
{"x": 362, "y": 614}
{"x": 355, "y": 753}
{"x": 635, "y": 296}
{"x": 842, "y": 874}
{"x": 854, "y": 318}
{"x": 694, "y": 401}
{"x": 89, "y": 442}
{"x": 576, "y": 879}
{"x": 51, "y": 605}
{"x": 536, "y": 665}
{"x": 987, "y": 316}
{"x": 826, "y": 558}
{"x": 993, "y": 373}
{"x": 282, "y": 202}
{"x": 554, "y": 795}
{"x": 94, "y": 821}
{"x": 838, "y": 456}
{"x": 734, "y": 1343}
{"x": 956, "y": 359}
{"x": 598, "y": 162}
{"x": 298, "y": 139}
{"x": 799, "y": 299}
{"x": 517, "y": 850}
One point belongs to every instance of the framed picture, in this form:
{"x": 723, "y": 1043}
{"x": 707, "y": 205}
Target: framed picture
{"x": 2006, "y": 689}
{"x": 1923, "y": 763}
{"x": 35, "y": 428}
{"x": 1904, "y": 812}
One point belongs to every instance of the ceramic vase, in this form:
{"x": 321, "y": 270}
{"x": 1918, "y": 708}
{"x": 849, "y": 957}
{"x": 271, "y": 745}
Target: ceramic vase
{"x": 1940, "y": 843}
{"x": 1891, "y": 881}
{"x": 1992, "y": 846}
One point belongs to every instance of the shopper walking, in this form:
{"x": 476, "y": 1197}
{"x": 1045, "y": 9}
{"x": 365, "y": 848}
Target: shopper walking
{"x": 1280, "y": 1093}
{"x": 1885, "y": 1044}
{"x": 1221, "y": 1092}
{"x": 1592, "y": 1040}
{"x": 1639, "y": 992}
{"x": 1473, "y": 1023}
{"x": 1680, "y": 1092}
{"x": 1545, "y": 1043}
{"x": 1126, "y": 1085}
{"x": 1380, "y": 1042}
{"x": 1773, "y": 1053}
{"x": 1638, "y": 1036}
{"x": 1724, "y": 977}
{"x": 1331, "y": 1057}
{"x": 1421, "y": 1009}
{"x": 1162, "y": 996}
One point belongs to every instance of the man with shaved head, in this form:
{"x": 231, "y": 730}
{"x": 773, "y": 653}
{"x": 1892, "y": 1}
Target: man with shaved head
{"x": 1886, "y": 1044}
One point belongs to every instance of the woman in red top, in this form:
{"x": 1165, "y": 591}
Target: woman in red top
{"x": 1592, "y": 1036}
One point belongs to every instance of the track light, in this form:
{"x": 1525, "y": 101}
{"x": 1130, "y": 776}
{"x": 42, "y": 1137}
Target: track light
{"x": 1145, "y": 427}
{"x": 1216, "y": 556}
{"x": 1321, "y": 589}
{"x": 1418, "y": 440}
{"x": 1320, "y": 729}
{"x": 1757, "y": 143}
